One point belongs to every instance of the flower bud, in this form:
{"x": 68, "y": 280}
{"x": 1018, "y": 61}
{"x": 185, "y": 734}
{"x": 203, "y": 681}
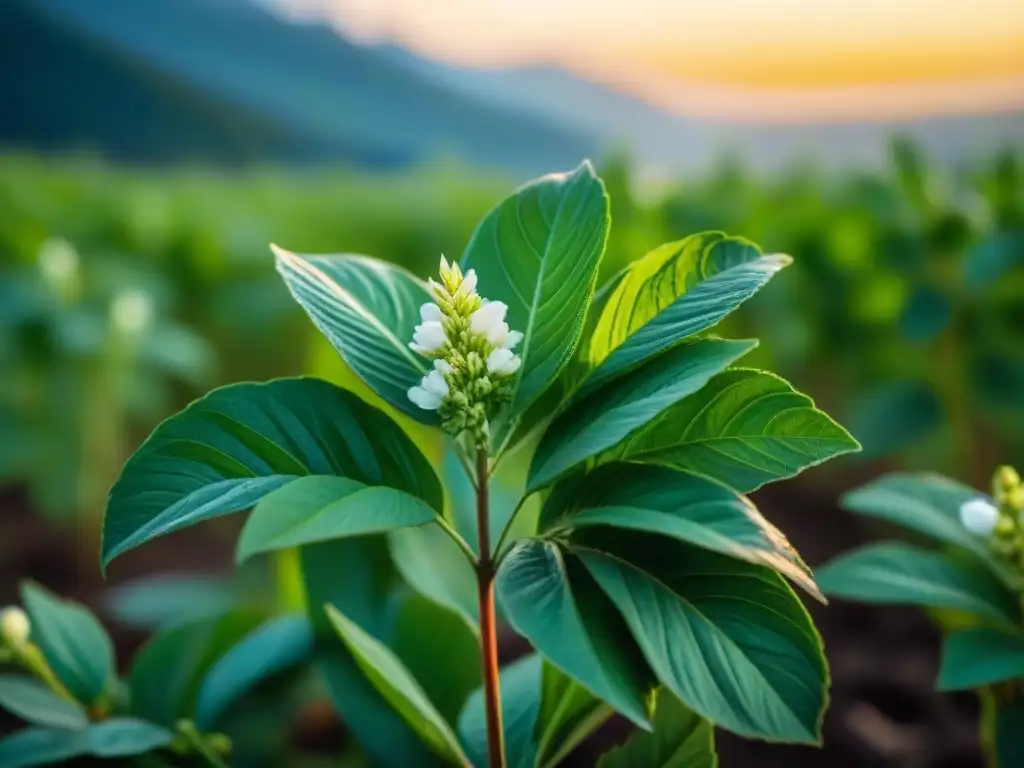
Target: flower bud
{"x": 131, "y": 311}
{"x": 979, "y": 516}
{"x": 1015, "y": 499}
{"x": 14, "y": 626}
{"x": 1005, "y": 479}
{"x": 1006, "y": 487}
{"x": 219, "y": 743}
{"x": 1005, "y": 528}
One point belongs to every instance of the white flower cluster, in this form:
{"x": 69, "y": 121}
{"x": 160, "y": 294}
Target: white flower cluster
{"x": 472, "y": 347}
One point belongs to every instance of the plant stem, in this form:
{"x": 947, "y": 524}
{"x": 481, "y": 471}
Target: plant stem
{"x": 461, "y": 542}
{"x": 198, "y": 742}
{"x": 508, "y": 527}
{"x": 488, "y": 624}
{"x": 33, "y": 660}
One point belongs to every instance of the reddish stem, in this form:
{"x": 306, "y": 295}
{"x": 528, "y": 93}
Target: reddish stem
{"x": 488, "y": 624}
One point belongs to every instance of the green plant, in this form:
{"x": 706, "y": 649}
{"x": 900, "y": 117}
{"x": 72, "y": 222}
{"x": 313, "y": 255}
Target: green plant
{"x": 88, "y": 351}
{"x": 597, "y": 447}
{"x": 66, "y": 688}
{"x": 973, "y": 585}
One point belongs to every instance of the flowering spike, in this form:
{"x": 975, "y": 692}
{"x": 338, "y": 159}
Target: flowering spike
{"x": 472, "y": 349}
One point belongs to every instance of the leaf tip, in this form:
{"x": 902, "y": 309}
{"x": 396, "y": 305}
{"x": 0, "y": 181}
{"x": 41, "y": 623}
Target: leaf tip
{"x": 782, "y": 259}
{"x": 282, "y": 254}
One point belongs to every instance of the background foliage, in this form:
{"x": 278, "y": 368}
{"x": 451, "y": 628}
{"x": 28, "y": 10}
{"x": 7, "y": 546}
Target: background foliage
{"x": 903, "y": 314}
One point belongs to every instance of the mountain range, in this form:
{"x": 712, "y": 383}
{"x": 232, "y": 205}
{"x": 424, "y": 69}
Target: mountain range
{"x": 227, "y": 80}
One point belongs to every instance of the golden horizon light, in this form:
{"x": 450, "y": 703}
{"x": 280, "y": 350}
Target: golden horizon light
{"x": 669, "y": 50}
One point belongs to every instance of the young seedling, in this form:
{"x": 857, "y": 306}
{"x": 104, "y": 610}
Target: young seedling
{"x": 598, "y": 444}
{"x": 64, "y": 685}
{"x": 973, "y": 584}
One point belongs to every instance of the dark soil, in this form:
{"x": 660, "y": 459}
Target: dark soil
{"x": 884, "y": 711}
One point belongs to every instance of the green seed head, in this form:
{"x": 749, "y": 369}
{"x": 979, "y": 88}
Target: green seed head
{"x": 1005, "y": 482}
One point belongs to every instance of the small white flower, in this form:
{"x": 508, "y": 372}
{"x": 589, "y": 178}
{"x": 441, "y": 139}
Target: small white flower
{"x": 428, "y": 338}
{"x": 489, "y": 321}
{"x": 430, "y": 312}
{"x": 503, "y": 361}
{"x": 442, "y": 366}
{"x": 14, "y": 626}
{"x": 513, "y": 338}
{"x": 979, "y": 516}
{"x": 424, "y": 399}
{"x": 434, "y": 383}
{"x": 432, "y": 389}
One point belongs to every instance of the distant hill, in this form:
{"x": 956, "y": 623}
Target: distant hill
{"x": 63, "y": 92}
{"x": 661, "y": 140}
{"x": 228, "y": 80}
{"x": 301, "y": 83}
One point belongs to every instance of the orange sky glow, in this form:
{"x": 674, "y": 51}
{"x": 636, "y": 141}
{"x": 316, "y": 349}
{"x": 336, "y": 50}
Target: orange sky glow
{"x": 964, "y": 54}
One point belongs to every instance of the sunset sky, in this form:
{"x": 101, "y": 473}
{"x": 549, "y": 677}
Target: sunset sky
{"x": 658, "y": 46}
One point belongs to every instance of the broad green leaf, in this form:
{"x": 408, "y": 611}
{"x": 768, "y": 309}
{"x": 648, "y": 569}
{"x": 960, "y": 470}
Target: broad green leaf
{"x": 900, "y": 574}
{"x": 681, "y": 739}
{"x": 674, "y": 292}
{"x": 998, "y": 253}
{"x": 271, "y": 648}
{"x": 745, "y": 428}
{"x": 440, "y": 651}
{"x": 552, "y": 602}
{"x": 165, "y": 600}
{"x": 229, "y": 449}
{"x": 680, "y": 505}
{"x": 75, "y": 645}
{"x": 125, "y": 736}
{"x": 116, "y": 737}
{"x": 168, "y": 671}
{"x": 520, "y": 700}
{"x": 926, "y": 503}
{"x": 397, "y": 685}
{"x": 368, "y": 309}
{"x": 979, "y": 656}
{"x": 433, "y": 565}
{"x": 382, "y": 732}
{"x": 321, "y": 508}
{"x": 535, "y": 418}
{"x": 357, "y": 576}
{"x": 539, "y": 251}
{"x": 1009, "y": 724}
{"x": 568, "y": 714}
{"x": 30, "y": 700}
{"x": 609, "y": 415}
{"x": 41, "y": 746}
{"x": 729, "y": 638}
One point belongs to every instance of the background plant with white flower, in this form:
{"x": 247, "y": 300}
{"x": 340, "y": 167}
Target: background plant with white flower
{"x": 573, "y": 426}
{"x": 972, "y": 585}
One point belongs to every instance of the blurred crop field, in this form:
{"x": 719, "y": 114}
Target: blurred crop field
{"x": 125, "y": 292}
